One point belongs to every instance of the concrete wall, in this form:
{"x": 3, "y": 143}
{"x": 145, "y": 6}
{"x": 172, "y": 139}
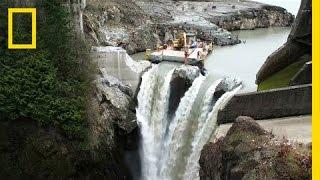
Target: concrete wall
{"x": 120, "y": 65}
{"x": 304, "y": 76}
{"x": 284, "y": 102}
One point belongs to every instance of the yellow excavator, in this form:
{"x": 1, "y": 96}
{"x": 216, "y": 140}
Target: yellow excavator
{"x": 178, "y": 48}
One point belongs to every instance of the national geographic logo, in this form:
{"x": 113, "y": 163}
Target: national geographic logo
{"x": 33, "y": 12}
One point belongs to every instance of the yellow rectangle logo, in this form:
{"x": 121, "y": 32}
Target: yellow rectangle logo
{"x": 33, "y": 12}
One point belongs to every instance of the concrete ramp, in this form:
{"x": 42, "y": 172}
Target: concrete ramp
{"x": 119, "y": 64}
{"x": 295, "y": 129}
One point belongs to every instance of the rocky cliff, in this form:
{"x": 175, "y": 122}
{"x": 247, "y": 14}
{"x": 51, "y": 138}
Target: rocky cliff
{"x": 297, "y": 48}
{"x": 249, "y": 152}
{"x": 28, "y": 150}
{"x": 31, "y": 150}
{"x": 140, "y": 24}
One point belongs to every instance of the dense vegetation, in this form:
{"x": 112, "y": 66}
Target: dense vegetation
{"x": 49, "y": 84}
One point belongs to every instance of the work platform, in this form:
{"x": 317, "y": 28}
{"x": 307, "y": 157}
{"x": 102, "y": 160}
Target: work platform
{"x": 179, "y": 56}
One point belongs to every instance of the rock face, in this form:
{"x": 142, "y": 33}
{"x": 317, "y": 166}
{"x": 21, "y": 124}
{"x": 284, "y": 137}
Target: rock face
{"x": 140, "y": 24}
{"x": 262, "y": 17}
{"x": 298, "y": 45}
{"x": 33, "y": 152}
{"x": 248, "y": 152}
{"x": 205, "y": 30}
{"x": 181, "y": 81}
{"x": 114, "y": 130}
{"x": 113, "y": 100}
{"x": 29, "y": 151}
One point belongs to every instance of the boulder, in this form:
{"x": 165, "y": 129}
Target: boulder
{"x": 250, "y": 152}
{"x": 181, "y": 81}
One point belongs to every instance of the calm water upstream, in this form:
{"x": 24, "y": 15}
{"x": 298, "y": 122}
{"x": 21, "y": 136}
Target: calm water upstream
{"x": 244, "y": 60}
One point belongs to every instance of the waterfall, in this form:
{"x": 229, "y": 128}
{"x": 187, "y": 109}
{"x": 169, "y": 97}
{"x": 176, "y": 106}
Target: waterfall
{"x": 204, "y": 132}
{"x": 151, "y": 116}
{"x": 119, "y": 65}
{"x": 143, "y": 113}
{"x": 171, "y": 147}
{"x": 174, "y": 140}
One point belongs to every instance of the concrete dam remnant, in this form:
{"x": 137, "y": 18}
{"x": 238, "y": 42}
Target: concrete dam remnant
{"x": 117, "y": 63}
{"x": 283, "y": 102}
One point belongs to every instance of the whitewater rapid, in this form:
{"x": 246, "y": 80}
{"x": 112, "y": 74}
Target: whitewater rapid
{"x": 171, "y": 145}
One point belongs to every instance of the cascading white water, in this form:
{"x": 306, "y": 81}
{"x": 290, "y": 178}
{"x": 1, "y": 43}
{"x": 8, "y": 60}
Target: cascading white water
{"x": 143, "y": 113}
{"x": 175, "y": 138}
{"x": 204, "y": 132}
{"x": 170, "y": 148}
{"x": 152, "y": 117}
{"x": 159, "y": 118}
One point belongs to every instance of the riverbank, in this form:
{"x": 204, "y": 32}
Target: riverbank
{"x": 138, "y": 25}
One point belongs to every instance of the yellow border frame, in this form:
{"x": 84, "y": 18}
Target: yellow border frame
{"x": 315, "y": 90}
{"x": 33, "y": 12}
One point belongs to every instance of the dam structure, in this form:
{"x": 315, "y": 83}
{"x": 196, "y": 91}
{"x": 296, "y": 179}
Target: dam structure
{"x": 177, "y": 113}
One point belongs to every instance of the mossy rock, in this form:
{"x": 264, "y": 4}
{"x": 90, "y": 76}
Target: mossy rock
{"x": 281, "y": 78}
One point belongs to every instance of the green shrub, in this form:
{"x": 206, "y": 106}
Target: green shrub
{"x": 49, "y": 84}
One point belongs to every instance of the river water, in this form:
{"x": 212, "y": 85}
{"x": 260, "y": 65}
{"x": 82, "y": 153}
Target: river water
{"x": 244, "y": 60}
{"x": 291, "y": 6}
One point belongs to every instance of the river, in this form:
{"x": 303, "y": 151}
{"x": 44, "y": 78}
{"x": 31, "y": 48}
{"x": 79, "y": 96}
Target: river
{"x": 244, "y": 60}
